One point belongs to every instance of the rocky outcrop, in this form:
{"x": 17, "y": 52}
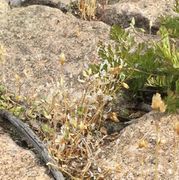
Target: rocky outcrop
{"x": 147, "y": 149}
{"x": 34, "y": 38}
{"x": 18, "y": 163}
{"x": 45, "y": 50}
{"x": 146, "y": 13}
{"x": 18, "y": 3}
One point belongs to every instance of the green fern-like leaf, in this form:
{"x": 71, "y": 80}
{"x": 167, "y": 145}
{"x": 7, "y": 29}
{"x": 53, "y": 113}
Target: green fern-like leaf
{"x": 148, "y": 64}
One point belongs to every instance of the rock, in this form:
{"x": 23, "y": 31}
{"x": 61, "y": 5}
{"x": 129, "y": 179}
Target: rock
{"x": 52, "y": 3}
{"x": 62, "y": 5}
{"x": 19, "y": 163}
{"x": 15, "y": 3}
{"x": 144, "y": 12}
{"x": 137, "y": 153}
{"x": 3, "y": 7}
{"x": 34, "y": 37}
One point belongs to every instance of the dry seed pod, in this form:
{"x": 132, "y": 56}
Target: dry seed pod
{"x": 113, "y": 117}
{"x": 103, "y": 130}
{"x": 142, "y": 144}
{"x": 176, "y": 127}
{"x": 157, "y": 103}
{"x": 62, "y": 59}
{"x": 125, "y": 85}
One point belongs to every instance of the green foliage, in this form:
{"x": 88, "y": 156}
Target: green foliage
{"x": 47, "y": 129}
{"x": 147, "y": 64}
{"x": 172, "y": 101}
{"x": 172, "y": 25}
{"x": 8, "y": 101}
{"x": 176, "y": 7}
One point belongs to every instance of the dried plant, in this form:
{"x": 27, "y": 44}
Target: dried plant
{"x": 158, "y": 103}
{"x": 87, "y": 8}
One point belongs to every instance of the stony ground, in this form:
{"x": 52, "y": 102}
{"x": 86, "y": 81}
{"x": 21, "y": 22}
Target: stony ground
{"x": 147, "y": 149}
{"x": 33, "y": 38}
{"x": 16, "y": 162}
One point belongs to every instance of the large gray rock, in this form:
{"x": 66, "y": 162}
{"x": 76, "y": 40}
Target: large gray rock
{"x": 53, "y": 3}
{"x": 15, "y": 3}
{"x": 34, "y": 37}
{"x": 144, "y": 12}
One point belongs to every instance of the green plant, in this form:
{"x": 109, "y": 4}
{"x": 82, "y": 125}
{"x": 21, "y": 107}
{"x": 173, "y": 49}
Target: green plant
{"x": 172, "y": 25}
{"x": 176, "y": 7}
{"x": 142, "y": 65}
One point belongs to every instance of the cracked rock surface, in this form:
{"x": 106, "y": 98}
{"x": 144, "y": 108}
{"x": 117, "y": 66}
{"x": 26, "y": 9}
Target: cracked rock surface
{"x": 33, "y": 38}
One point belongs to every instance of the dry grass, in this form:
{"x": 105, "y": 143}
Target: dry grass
{"x": 68, "y": 126}
{"x": 71, "y": 128}
{"x": 88, "y": 8}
